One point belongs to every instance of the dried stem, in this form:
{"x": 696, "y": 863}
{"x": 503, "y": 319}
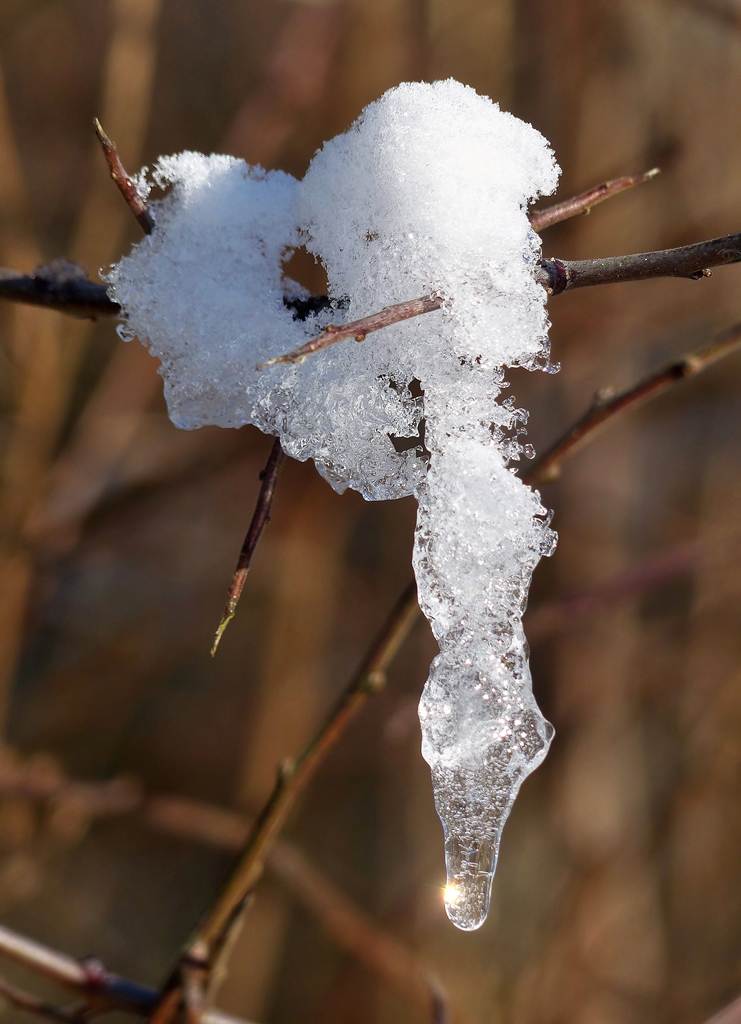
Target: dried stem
{"x": 126, "y": 186}
{"x": 292, "y": 779}
{"x": 607, "y": 404}
{"x": 88, "y": 978}
{"x": 583, "y": 203}
{"x": 358, "y": 329}
{"x": 32, "y": 1004}
{"x": 343, "y": 920}
{"x": 260, "y": 518}
{"x": 61, "y": 285}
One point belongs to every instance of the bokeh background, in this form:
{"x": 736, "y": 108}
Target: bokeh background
{"x": 618, "y": 897}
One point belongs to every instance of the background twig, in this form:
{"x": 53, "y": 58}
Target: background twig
{"x": 608, "y": 404}
{"x": 583, "y": 203}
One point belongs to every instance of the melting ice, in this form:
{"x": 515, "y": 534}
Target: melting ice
{"x": 426, "y": 193}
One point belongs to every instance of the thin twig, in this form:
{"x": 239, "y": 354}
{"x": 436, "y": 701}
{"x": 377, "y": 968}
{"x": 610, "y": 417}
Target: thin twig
{"x": 32, "y": 1004}
{"x": 126, "y": 186}
{"x": 291, "y": 781}
{"x": 358, "y": 329}
{"x": 553, "y": 617}
{"x": 260, "y": 518}
{"x": 88, "y": 979}
{"x": 343, "y": 920}
{"x": 607, "y": 404}
{"x": 583, "y": 203}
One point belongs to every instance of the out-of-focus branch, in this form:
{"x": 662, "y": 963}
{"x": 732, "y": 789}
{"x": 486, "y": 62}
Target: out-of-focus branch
{"x": 345, "y": 923}
{"x": 210, "y": 939}
{"x": 260, "y": 518}
{"x": 730, "y": 1014}
{"x": 41, "y": 780}
{"x": 553, "y": 617}
{"x": 32, "y": 1004}
{"x": 583, "y": 203}
{"x": 608, "y": 404}
{"x": 80, "y": 297}
{"x": 61, "y": 285}
{"x": 126, "y": 186}
{"x": 88, "y": 979}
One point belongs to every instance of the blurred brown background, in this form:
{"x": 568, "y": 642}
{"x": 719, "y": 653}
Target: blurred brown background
{"x": 618, "y": 897}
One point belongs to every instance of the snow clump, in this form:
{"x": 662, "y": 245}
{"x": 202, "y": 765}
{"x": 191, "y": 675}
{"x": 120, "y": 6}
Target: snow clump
{"x": 425, "y": 194}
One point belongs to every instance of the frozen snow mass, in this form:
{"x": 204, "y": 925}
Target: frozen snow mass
{"x": 425, "y": 194}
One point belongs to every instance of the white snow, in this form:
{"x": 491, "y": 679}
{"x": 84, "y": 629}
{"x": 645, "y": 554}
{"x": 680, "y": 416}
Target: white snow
{"x": 426, "y": 193}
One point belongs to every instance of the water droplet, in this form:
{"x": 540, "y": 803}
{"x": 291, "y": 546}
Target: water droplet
{"x": 467, "y": 894}
{"x": 528, "y": 451}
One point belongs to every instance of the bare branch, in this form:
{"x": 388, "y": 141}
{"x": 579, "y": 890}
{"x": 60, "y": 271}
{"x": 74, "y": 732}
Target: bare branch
{"x": 125, "y": 185}
{"x": 553, "y": 617}
{"x": 260, "y": 518}
{"x": 688, "y": 261}
{"x": 32, "y": 1004}
{"x": 61, "y": 285}
{"x": 607, "y": 404}
{"x": 358, "y": 329}
{"x": 293, "y": 778}
{"x": 74, "y": 294}
{"x": 88, "y": 978}
{"x": 346, "y": 923}
{"x": 583, "y": 203}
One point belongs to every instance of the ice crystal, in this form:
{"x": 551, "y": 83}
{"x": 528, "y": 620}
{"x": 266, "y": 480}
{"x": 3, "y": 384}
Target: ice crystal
{"x": 425, "y": 194}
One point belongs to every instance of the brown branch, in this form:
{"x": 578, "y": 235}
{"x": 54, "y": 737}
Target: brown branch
{"x": 61, "y": 285}
{"x": 292, "y": 779}
{"x": 32, "y": 1004}
{"x": 260, "y": 518}
{"x": 82, "y": 298}
{"x": 689, "y": 261}
{"x": 344, "y": 922}
{"x": 42, "y": 781}
{"x": 606, "y": 404}
{"x": 583, "y": 203}
{"x": 88, "y": 979}
{"x": 358, "y": 329}
{"x": 553, "y": 617}
{"x": 126, "y": 186}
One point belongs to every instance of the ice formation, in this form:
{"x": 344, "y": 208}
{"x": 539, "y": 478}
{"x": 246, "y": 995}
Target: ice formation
{"x": 426, "y": 193}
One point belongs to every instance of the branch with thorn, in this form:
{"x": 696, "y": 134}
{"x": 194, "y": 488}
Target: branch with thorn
{"x": 608, "y": 403}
